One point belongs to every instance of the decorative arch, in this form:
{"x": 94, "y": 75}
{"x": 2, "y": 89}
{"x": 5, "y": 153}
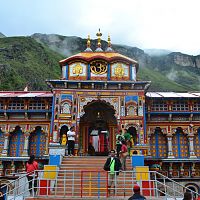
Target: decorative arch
{"x": 197, "y": 143}
{"x": 110, "y": 101}
{"x": 180, "y": 145}
{"x": 158, "y": 143}
{"x": 16, "y": 142}
{"x": 37, "y": 142}
{"x": 99, "y": 120}
{"x": 192, "y": 186}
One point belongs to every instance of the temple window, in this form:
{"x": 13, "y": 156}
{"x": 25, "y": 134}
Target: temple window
{"x": 50, "y": 106}
{"x": 196, "y": 106}
{"x": 65, "y": 108}
{"x": 16, "y": 105}
{"x": 180, "y": 106}
{"x": 1, "y": 105}
{"x": 159, "y": 106}
{"x": 36, "y": 105}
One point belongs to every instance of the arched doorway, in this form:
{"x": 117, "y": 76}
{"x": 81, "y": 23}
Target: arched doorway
{"x": 133, "y": 131}
{"x": 64, "y": 129}
{"x": 97, "y": 127}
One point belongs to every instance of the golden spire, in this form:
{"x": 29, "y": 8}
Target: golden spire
{"x": 88, "y": 42}
{"x": 99, "y": 34}
{"x": 109, "y": 41}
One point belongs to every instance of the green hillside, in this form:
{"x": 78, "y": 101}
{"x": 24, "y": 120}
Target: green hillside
{"x": 159, "y": 82}
{"x": 31, "y": 60}
{"x": 23, "y": 61}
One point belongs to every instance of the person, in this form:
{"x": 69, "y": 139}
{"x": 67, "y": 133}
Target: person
{"x": 187, "y": 196}
{"x": 127, "y": 137}
{"x": 119, "y": 139}
{"x": 71, "y": 141}
{"x": 32, "y": 174}
{"x": 113, "y": 165}
{"x": 91, "y": 150}
{"x": 123, "y": 155}
{"x": 136, "y": 195}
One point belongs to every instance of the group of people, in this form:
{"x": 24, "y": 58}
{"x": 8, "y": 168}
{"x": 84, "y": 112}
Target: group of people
{"x": 123, "y": 146}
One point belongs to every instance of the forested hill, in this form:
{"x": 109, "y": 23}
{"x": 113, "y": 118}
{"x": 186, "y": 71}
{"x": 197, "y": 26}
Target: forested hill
{"x": 25, "y": 62}
{"x": 31, "y": 60}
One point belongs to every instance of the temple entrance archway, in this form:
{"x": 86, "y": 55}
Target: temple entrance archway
{"x": 97, "y": 127}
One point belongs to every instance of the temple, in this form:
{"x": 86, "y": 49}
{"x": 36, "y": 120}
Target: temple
{"x": 99, "y": 93}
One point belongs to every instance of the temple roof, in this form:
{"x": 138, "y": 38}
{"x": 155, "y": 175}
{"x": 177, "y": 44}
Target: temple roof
{"x": 88, "y": 56}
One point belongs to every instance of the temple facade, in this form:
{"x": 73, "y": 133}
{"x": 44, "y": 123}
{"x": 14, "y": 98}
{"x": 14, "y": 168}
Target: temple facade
{"x": 99, "y": 93}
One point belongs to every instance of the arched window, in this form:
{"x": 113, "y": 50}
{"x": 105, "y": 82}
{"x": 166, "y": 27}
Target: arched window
{"x": 180, "y": 146}
{"x": 158, "y": 144}
{"x": 37, "y": 142}
{"x": 16, "y": 145}
{"x": 65, "y": 108}
{"x": 131, "y": 111}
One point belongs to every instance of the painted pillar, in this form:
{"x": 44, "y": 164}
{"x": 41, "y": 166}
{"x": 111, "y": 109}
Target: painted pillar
{"x": 169, "y": 142}
{"x": 6, "y": 142}
{"x": 63, "y": 72}
{"x": 25, "y": 151}
{"x": 1, "y": 168}
{"x": 46, "y": 146}
{"x": 149, "y": 139}
{"x": 191, "y": 145}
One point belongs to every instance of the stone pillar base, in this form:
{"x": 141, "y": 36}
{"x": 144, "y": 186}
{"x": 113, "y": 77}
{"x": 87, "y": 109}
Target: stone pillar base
{"x": 170, "y": 155}
{"x": 192, "y": 155}
{"x": 4, "y": 153}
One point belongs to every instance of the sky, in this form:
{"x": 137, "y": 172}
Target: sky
{"x": 146, "y": 24}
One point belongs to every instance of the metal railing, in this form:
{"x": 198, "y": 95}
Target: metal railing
{"x": 96, "y": 184}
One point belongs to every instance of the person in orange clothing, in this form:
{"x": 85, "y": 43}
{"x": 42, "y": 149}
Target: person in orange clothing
{"x": 31, "y": 167}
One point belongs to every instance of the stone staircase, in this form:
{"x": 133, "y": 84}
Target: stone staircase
{"x": 78, "y": 179}
{"x": 91, "y": 168}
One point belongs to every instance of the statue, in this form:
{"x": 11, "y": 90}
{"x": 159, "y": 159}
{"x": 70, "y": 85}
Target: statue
{"x": 64, "y": 139}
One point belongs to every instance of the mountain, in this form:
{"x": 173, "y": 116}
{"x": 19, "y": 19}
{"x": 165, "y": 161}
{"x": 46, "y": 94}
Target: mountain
{"x": 2, "y": 35}
{"x": 31, "y": 60}
{"x": 169, "y": 72}
{"x": 157, "y": 52}
{"x": 25, "y": 62}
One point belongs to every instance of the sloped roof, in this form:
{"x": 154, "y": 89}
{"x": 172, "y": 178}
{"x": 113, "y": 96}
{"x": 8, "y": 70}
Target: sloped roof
{"x": 25, "y": 94}
{"x": 173, "y": 94}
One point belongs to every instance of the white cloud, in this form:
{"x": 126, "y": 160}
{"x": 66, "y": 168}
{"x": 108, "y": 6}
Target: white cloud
{"x": 167, "y": 24}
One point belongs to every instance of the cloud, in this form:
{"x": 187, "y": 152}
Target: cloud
{"x": 166, "y": 24}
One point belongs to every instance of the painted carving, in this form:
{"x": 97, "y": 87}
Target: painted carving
{"x": 132, "y": 110}
{"x": 77, "y": 71}
{"x": 65, "y": 108}
{"x": 85, "y": 100}
{"x": 119, "y": 71}
{"x": 98, "y": 67}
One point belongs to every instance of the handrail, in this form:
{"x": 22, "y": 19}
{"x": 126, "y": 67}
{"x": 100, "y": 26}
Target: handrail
{"x": 84, "y": 178}
{"x": 177, "y": 183}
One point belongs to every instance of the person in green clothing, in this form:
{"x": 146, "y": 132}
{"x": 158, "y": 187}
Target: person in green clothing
{"x": 127, "y": 137}
{"x": 119, "y": 139}
{"x": 113, "y": 165}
